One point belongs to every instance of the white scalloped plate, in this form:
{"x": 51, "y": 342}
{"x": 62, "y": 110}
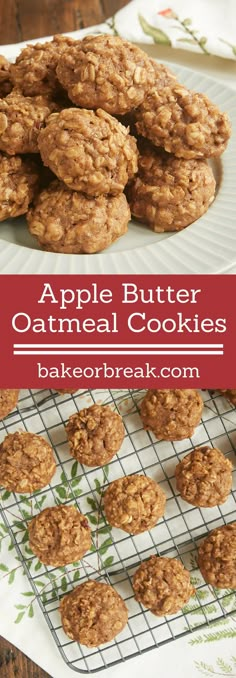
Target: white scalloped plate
{"x": 207, "y": 246}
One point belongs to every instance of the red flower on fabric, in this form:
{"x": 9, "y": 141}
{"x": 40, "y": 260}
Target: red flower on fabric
{"x": 168, "y": 13}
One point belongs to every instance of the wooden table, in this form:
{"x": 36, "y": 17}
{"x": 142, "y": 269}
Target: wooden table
{"x": 23, "y": 20}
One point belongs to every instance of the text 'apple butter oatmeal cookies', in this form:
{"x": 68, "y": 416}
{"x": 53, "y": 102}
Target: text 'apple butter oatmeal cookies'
{"x": 106, "y": 72}
{"x": 95, "y": 435}
{"x": 204, "y": 477}
{"x": 21, "y": 119}
{"x": 93, "y": 613}
{"x": 89, "y": 150}
{"x": 162, "y": 585}
{"x": 26, "y": 462}
{"x": 170, "y": 193}
{"x": 5, "y": 77}
{"x": 171, "y": 414}
{"x": 59, "y": 535}
{"x": 217, "y": 557}
{"x": 71, "y": 222}
{"x": 19, "y": 181}
{"x": 8, "y": 401}
{"x": 134, "y": 503}
{"x": 183, "y": 122}
{"x": 230, "y": 394}
{"x": 34, "y": 71}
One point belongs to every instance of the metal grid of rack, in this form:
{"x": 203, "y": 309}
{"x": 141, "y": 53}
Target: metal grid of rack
{"x": 115, "y": 555}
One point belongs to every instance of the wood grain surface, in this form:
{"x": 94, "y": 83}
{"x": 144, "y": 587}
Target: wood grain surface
{"x": 23, "y": 20}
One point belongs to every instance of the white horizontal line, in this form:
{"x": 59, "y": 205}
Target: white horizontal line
{"x": 164, "y": 352}
{"x": 119, "y": 345}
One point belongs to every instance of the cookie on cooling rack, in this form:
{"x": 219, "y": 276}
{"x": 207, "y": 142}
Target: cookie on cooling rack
{"x": 90, "y": 151}
{"x": 26, "y": 462}
{"x": 230, "y": 394}
{"x": 204, "y": 477}
{"x": 8, "y": 401}
{"x": 171, "y": 414}
{"x": 134, "y": 503}
{"x": 93, "y": 613}
{"x": 59, "y": 535}
{"x": 162, "y": 585}
{"x": 104, "y": 71}
{"x": 217, "y": 557}
{"x": 95, "y": 434}
{"x": 63, "y": 391}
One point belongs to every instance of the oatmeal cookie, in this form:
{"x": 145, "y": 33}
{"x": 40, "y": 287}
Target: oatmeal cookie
{"x": 89, "y": 150}
{"x": 162, "y": 585}
{"x": 170, "y": 193}
{"x": 217, "y": 557}
{"x": 62, "y": 391}
{"x": 204, "y": 477}
{"x": 8, "y": 401}
{"x": 230, "y": 394}
{"x": 95, "y": 435}
{"x": 71, "y": 222}
{"x": 106, "y": 72}
{"x": 171, "y": 414}
{"x": 19, "y": 180}
{"x": 34, "y": 71}
{"x": 183, "y": 122}
{"x": 21, "y": 119}
{"x": 93, "y": 613}
{"x": 26, "y": 462}
{"x": 134, "y": 503}
{"x": 5, "y": 77}
{"x": 59, "y": 535}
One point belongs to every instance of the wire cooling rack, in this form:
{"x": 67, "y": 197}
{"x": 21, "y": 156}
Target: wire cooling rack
{"x": 115, "y": 555}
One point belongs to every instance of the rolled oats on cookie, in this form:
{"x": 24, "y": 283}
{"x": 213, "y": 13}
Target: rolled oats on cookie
{"x": 106, "y": 72}
{"x": 8, "y": 401}
{"x": 95, "y": 435}
{"x": 229, "y": 394}
{"x": 93, "y": 613}
{"x": 134, "y": 503}
{"x": 59, "y": 535}
{"x": 19, "y": 183}
{"x": 217, "y": 557}
{"x": 183, "y": 122}
{"x": 162, "y": 585}
{"x": 5, "y": 77}
{"x": 171, "y": 414}
{"x": 26, "y": 462}
{"x": 34, "y": 71}
{"x": 170, "y": 193}
{"x": 89, "y": 150}
{"x": 204, "y": 477}
{"x": 21, "y": 119}
{"x": 68, "y": 221}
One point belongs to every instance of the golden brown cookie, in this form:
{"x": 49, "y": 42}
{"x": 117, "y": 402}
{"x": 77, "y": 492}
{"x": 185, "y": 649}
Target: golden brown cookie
{"x": 170, "y": 193}
{"x": 171, "y": 414}
{"x": 19, "y": 180}
{"x": 5, "y": 77}
{"x": 162, "y": 585}
{"x": 134, "y": 503}
{"x": 21, "y": 119}
{"x": 230, "y": 394}
{"x": 95, "y": 435}
{"x": 183, "y": 122}
{"x": 34, "y": 71}
{"x": 70, "y": 222}
{"x": 26, "y": 462}
{"x": 59, "y": 535}
{"x": 105, "y": 71}
{"x": 89, "y": 150}
{"x": 204, "y": 477}
{"x": 93, "y": 613}
{"x": 8, "y": 401}
{"x": 217, "y": 557}
{"x": 62, "y": 391}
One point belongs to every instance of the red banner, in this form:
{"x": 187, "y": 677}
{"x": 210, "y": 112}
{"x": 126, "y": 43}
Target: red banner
{"x": 138, "y": 331}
